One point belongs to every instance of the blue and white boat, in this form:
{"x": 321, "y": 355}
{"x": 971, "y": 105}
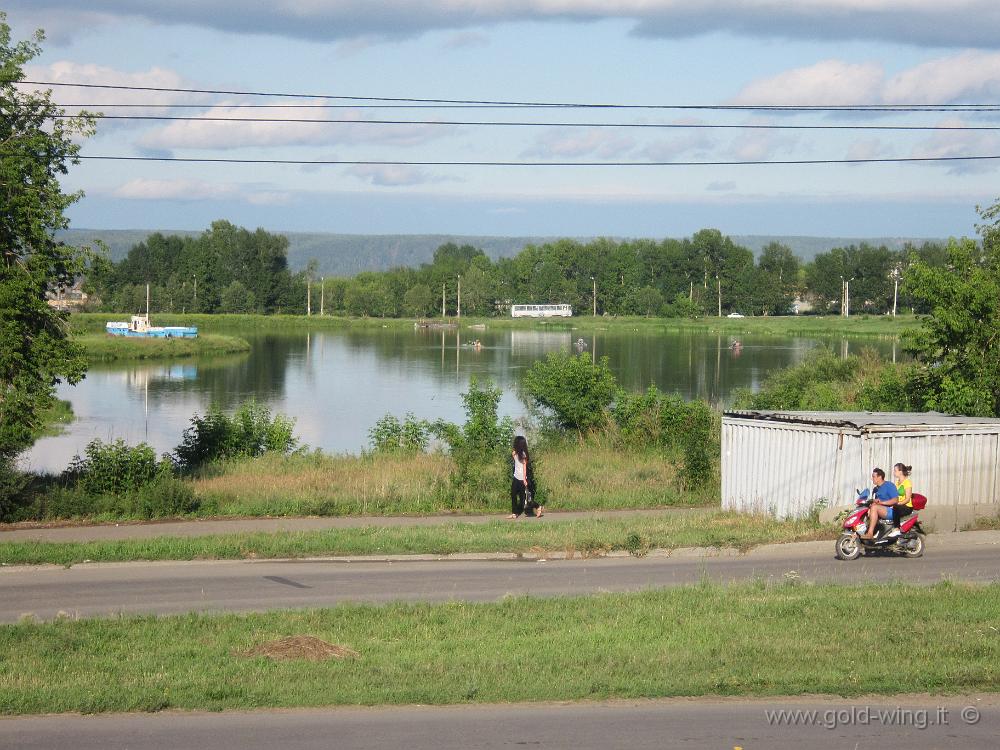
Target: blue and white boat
{"x": 139, "y": 327}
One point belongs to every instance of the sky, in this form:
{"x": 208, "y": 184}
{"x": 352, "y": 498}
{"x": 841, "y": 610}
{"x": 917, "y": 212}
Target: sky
{"x": 660, "y": 57}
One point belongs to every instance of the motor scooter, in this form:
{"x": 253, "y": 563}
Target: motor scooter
{"x": 904, "y": 536}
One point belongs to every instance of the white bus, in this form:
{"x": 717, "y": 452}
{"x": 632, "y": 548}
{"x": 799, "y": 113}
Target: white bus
{"x": 541, "y": 311}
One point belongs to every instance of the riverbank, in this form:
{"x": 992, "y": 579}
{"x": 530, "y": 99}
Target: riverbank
{"x": 861, "y": 326}
{"x": 704, "y": 640}
{"x": 100, "y": 347}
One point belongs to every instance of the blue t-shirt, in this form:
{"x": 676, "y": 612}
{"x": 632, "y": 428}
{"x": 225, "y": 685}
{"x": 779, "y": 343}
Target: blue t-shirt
{"x": 886, "y": 491}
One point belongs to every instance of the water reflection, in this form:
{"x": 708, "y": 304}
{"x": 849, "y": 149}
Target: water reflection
{"x": 336, "y": 384}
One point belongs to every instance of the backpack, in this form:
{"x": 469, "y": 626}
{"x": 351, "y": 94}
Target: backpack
{"x": 919, "y": 501}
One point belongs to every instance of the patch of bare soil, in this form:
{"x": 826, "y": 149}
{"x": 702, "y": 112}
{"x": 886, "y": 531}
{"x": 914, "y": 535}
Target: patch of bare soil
{"x": 300, "y": 647}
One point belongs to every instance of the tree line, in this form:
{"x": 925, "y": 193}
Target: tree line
{"x": 233, "y": 270}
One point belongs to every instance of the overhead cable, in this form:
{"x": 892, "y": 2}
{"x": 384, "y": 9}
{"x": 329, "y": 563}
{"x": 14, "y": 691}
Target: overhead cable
{"x": 592, "y": 105}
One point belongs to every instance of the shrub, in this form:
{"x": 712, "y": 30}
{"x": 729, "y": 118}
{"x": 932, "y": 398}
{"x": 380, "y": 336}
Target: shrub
{"x": 388, "y": 435}
{"x": 166, "y": 496}
{"x": 575, "y": 391}
{"x": 250, "y": 432}
{"x": 479, "y": 447}
{"x": 12, "y": 483}
{"x": 115, "y": 468}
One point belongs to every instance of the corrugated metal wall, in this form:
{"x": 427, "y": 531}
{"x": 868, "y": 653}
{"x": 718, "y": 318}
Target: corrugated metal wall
{"x": 784, "y": 469}
{"x": 950, "y": 468}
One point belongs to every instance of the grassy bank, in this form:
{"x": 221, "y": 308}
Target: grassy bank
{"x": 803, "y": 325}
{"x": 587, "y": 476}
{"x": 703, "y": 640}
{"x": 100, "y": 347}
{"x": 575, "y": 477}
{"x": 635, "y": 534}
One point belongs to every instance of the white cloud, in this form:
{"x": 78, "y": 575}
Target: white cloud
{"x": 576, "y": 143}
{"x": 225, "y": 133}
{"x": 697, "y": 143}
{"x": 960, "y": 144}
{"x": 868, "y": 148}
{"x": 71, "y": 97}
{"x": 830, "y": 82}
{"x": 958, "y": 23}
{"x": 969, "y": 76}
{"x": 198, "y": 190}
{"x": 392, "y": 175}
{"x": 721, "y": 187}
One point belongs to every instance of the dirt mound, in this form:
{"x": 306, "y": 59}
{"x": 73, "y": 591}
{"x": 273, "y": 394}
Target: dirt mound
{"x": 300, "y": 647}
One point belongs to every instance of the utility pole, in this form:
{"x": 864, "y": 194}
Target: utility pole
{"x": 442, "y": 300}
{"x": 458, "y": 307}
{"x": 322, "y": 294}
{"x": 718, "y": 284}
{"x": 309, "y": 295}
{"x": 195, "y": 306}
{"x": 895, "y": 289}
{"x": 595, "y": 295}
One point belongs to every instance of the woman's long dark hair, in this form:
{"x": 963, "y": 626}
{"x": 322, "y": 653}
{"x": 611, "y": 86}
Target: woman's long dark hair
{"x": 521, "y": 447}
{"x": 904, "y": 469}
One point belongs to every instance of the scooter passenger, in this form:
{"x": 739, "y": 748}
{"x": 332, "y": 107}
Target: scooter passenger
{"x": 884, "y": 498}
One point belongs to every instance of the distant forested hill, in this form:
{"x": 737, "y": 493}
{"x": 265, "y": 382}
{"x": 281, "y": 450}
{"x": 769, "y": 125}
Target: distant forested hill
{"x": 349, "y": 254}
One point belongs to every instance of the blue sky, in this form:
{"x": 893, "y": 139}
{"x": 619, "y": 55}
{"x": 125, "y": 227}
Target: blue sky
{"x": 788, "y": 52}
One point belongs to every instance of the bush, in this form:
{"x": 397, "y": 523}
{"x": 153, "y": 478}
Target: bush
{"x": 12, "y": 484}
{"x": 575, "y": 391}
{"x": 166, "y": 496}
{"x": 390, "y": 436}
{"x": 115, "y": 468}
{"x": 250, "y": 432}
{"x": 479, "y": 448}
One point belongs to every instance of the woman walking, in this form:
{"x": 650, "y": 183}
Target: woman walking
{"x": 520, "y": 484}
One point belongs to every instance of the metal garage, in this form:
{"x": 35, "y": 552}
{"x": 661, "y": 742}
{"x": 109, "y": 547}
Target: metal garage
{"x": 784, "y": 462}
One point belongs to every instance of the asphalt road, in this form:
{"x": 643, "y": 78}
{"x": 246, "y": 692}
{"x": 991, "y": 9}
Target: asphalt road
{"x": 95, "y": 590}
{"x": 902, "y": 723}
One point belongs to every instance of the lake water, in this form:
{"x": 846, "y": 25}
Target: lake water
{"x": 337, "y": 384}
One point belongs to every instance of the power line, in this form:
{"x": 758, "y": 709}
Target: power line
{"x": 720, "y": 107}
{"x": 507, "y": 123}
{"x": 392, "y": 163}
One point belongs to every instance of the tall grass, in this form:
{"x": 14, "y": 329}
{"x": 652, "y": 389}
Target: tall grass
{"x": 703, "y": 640}
{"x": 576, "y": 476}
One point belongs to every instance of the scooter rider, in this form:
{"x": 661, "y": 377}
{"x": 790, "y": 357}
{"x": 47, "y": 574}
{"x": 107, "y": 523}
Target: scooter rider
{"x": 885, "y": 496}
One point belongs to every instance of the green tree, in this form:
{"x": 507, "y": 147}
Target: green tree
{"x": 418, "y": 301}
{"x": 574, "y": 390}
{"x": 236, "y": 298}
{"x": 777, "y": 276}
{"x": 957, "y": 346}
{"x": 36, "y": 146}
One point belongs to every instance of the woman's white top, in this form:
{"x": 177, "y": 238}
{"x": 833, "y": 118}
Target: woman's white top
{"x": 519, "y": 467}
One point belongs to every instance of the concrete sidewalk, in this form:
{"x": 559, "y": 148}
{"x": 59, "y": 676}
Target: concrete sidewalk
{"x": 118, "y": 531}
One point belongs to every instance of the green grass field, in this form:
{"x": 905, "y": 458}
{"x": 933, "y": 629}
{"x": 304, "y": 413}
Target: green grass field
{"x": 754, "y": 639}
{"x": 637, "y": 534}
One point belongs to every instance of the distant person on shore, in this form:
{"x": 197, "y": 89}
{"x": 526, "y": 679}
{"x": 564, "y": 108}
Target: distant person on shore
{"x": 522, "y": 485}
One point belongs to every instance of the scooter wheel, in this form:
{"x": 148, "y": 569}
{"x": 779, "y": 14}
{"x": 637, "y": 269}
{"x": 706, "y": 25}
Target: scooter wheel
{"x": 848, "y": 547}
{"x": 913, "y": 547}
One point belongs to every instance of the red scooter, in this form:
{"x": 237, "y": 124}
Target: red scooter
{"x": 905, "y": 537}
